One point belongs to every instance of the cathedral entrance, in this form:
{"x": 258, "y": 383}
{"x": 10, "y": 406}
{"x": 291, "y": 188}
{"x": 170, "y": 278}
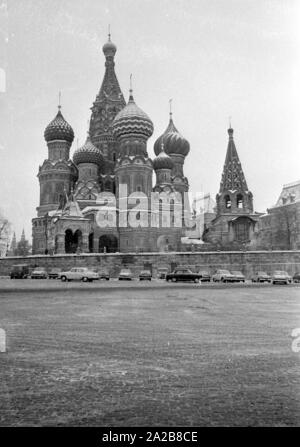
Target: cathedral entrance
{"x": 73, "y": 241}
{"x": 108, "y": 244}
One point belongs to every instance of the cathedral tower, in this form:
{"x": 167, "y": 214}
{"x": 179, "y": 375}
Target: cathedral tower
{"x": 163, "y": 165}
{"x": 132, "y": 128}
{"x": 58, "y": 173}
{"x": 234, "y": 196}
{"x": 177, "y": 147}
{"x": 106, "y": 106}
{"x": 234, "y": 224}
{"x": 89, "y": 161}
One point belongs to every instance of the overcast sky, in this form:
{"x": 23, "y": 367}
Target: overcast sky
{"x": 215, "y": 58}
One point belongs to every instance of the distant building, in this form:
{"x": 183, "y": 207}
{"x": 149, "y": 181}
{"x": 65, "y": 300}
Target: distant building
{"x": 279, "y": 228}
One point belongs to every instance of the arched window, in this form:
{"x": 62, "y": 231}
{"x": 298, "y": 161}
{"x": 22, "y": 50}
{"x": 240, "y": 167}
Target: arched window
{"x": 240, "y": 201}
{"x": 227, "y": 201}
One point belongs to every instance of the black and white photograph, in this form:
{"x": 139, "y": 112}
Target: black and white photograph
{"x": 149, "y": 217}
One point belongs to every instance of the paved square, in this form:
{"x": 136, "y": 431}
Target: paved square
{"x": 148, "y": 355}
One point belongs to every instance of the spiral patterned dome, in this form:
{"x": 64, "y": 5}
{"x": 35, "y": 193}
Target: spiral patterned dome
{"x": 174, "y": 142}
{"x": 59, "y": 129}
{"x": 163, "y": 161}
{"x": 88, "y": 153}
{"x": 132, "y": 121}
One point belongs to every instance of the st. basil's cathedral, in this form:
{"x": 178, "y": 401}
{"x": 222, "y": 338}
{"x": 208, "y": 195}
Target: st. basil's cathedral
{"x": 115, "y": 153}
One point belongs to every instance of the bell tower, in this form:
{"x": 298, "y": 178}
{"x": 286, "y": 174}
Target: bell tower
{"x": 234, "y": 196}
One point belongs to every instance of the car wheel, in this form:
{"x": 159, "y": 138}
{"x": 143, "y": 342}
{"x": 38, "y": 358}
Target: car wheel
{"x": 63, "y": 278}
{"x": 85, "y": 279}
{"x": 196, "y": 280}
{"x": 174, "y": 279}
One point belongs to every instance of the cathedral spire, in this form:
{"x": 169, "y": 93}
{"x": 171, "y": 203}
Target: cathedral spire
{"x": 233, "y": 178}
{"x": 109, "y": 100}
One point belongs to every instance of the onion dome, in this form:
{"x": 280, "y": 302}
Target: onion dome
{"x": 59, "y": 129}
{"x": 162, "y": 161}
{"x": 88, "y": 153}
{"x": 174, "y": 142}
{"x": 132, "y": 121}
{"x": 109, "y": 48}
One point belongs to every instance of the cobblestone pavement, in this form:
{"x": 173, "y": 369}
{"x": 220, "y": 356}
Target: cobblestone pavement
{"x": 149, "y": 355}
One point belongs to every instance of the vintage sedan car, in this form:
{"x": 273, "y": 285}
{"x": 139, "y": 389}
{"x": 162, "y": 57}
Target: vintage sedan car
{"x": 79, "y": 274}
{"x": 281, "y": 277}
{"x": 19, "y": 271}
{"x": 261, "y": 277}
{"x": 104, "y": 274}
{"x": 238, "y": 276}
{"x": 125, "y": 274}
{"x": 182, "y": 274}
{"x": 204, "y": 276}
{"x": 145, "y": 275}
{"x": 54, "y": 273}
{"x": 39, "y": 273}
{"x": 296, "y": 277}
{"x": 223, "y": 276}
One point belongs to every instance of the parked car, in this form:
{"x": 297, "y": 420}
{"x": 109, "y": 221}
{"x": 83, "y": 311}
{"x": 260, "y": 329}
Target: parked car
{"x": 261, "y": 277}
{"x": 238, "y": 276}
{"x": 145, "y": 275}
{"x": 39, "y": 273}
{"x": 162, "y": 272}
{"x": 223, "y": 276}
{"x": 280, "y": 276}
{"x": 54, "y": 273}
{"x": 125, "y": 274}
{"x": 182, "y": 274}
{"x": 104, "y": 274}
{"x": 19, "y": 271}
{"x": 79, "y": 274}
{"x": 296, "y": 277}
{"x": 204, "y": 276}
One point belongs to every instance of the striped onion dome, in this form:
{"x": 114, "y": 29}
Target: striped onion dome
{"x": 59, "y": 129}
{"x": 88, "y": 153}
{"x": 174, "y": 142}
{"x": 163, "y": 161}
{"x": 132, "y": 121}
